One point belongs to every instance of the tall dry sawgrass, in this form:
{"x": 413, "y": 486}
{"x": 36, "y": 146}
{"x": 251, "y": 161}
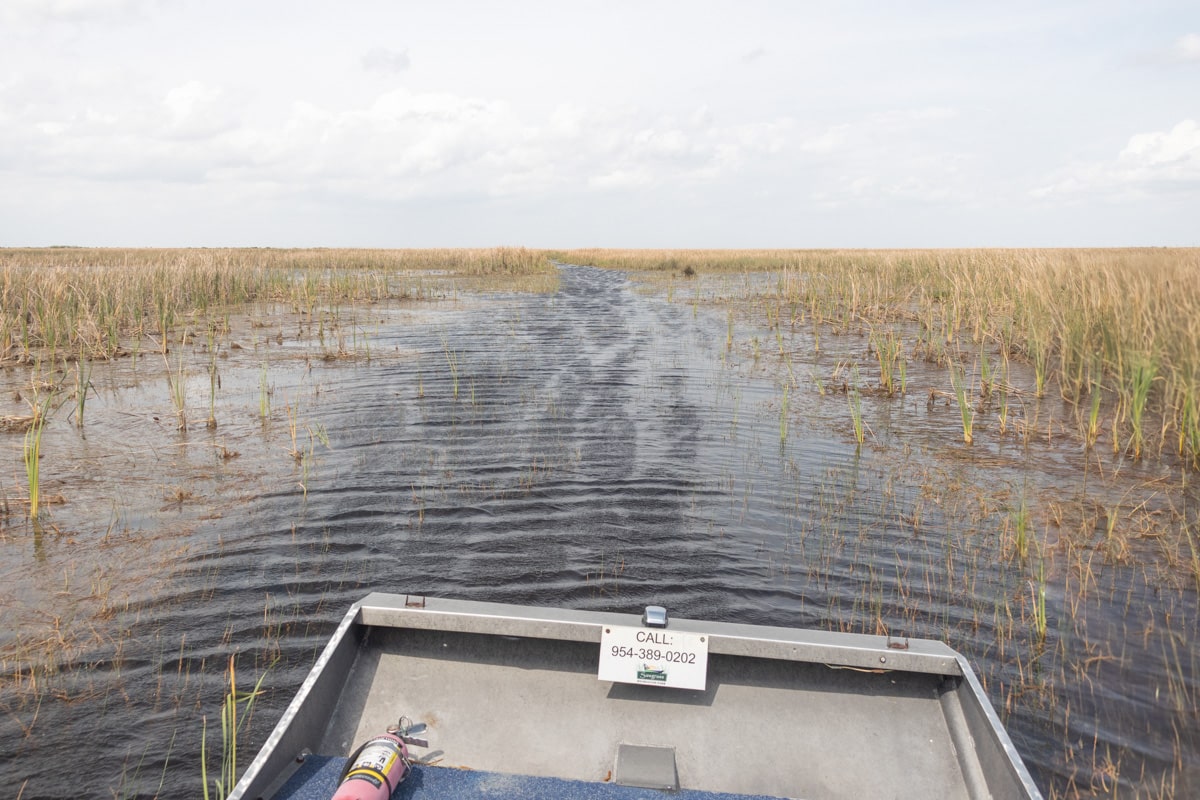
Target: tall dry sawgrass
{"x": 1123, "y": 322}
{"x": 88, "y": 299}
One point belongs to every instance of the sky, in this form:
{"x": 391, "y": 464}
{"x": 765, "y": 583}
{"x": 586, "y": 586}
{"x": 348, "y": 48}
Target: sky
{"x": 599, "y": 124}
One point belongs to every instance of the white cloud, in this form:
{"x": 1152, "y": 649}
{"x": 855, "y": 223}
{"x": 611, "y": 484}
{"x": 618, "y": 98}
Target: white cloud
{"x": 750, "y": 56}
{"x": 1186, "y": 48}
{"x": 71, "y": 10}
{"x": 195, "y": 109}
{"x": 568, "y": 120}
{"x": 621, "y": 179}
{"x": 1173, "y": 154}
{"x": 896, "y": 154}
{"x": 1151, "y": 162}
{"x": 832, "y": 139}
{"x": 878, "y": 132}
{"x": 382, "y": 59}
{"x": 403, "y": 144}
{"x": 399, "y": 144}
{"x": 940, "y": 112}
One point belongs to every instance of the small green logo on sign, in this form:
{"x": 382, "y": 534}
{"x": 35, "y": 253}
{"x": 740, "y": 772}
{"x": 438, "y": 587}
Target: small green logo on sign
{"x": 652, "y": 675}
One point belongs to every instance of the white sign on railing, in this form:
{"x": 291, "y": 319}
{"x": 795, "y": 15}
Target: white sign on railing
{"x": 653, "y": 657}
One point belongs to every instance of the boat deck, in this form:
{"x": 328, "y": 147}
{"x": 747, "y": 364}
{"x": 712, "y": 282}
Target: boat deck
{"x": 783, "y": 714}
{"x": 317, "y": 779}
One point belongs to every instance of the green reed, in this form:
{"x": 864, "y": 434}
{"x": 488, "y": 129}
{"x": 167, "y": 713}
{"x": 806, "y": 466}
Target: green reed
{"x": 316, "y": 433}
{"x": 177, "y": 387}
{"x": 783, "y": 414}
{"x": 214, "y": 380}
{"x": 987, "y": 378}
{"x": 83, "y": 382}
{"x": 121, "y": 792}
{"x": 966, "y": 411}
{"x": 1143, "y": 371}
{"x": 264, "y": 394}
{"x": 888, "y": 349}
{"x": 854, "y": 397}
{"x": 1039, "y": 353}
{"x": 1192, "y": 547}
{"x": 1020, "y": 523}
{"x": 293, "y": 420}
{"x": 452, "y": 362}
{"x": 231, "y": 727}
{"x": 1092, "y": 431}
{"x": 32, "y": 453}
{"x": 1189, "y": 427}
{"x": 1037, "y": 590}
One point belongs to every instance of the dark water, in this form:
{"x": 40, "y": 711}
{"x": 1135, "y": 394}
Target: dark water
{"x": 602, "y": 448}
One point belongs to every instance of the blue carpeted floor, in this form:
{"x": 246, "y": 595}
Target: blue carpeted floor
{"x": 317, "y": 779}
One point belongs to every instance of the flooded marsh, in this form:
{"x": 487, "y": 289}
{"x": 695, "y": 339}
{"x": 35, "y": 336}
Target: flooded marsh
{"x": 731, "y": 443}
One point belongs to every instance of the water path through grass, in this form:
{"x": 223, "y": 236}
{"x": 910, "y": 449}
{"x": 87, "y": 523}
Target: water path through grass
{"x": 598, "y": 447}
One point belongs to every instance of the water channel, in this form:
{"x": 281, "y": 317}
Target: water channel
{"x": 598, "y": 447}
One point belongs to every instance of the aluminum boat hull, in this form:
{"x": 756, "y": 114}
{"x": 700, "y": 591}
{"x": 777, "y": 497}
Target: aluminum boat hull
{"x": 513, "y": 691}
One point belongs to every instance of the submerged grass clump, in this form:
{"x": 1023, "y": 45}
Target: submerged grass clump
{"x": 888, "y": 352}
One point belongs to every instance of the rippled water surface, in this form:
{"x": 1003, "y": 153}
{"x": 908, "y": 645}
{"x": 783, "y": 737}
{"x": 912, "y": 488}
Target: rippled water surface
{"x": 599, "y": 447}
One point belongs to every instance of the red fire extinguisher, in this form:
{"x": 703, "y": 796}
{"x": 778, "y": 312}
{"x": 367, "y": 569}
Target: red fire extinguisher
{"x": 375, "y": 769}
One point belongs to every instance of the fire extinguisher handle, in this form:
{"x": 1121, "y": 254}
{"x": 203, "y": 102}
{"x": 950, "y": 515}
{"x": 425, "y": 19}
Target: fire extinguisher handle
{"x": 351, "y": 759}
{"x": 350, "y": 762}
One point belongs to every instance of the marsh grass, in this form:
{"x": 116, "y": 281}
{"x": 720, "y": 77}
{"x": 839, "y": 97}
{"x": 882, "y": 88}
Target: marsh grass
{"x": 120, "y": 792}
{"x": 1040, "y": 620}
{"x": 94, "y": 299}
{"x": 264, "y": 394}
{"x": 966, "y": 411}
{"x": 1189, "y": 429}
{"x": 1035, "y": 603}
{"x": 1020, "y": 521}
{"x": 316, "y": 433}
{"x": 214, "y": 379}
{"x": 231, "y": 726}
{"x": 1020, "y": 654}
{"x": 1092, "y": 429}
{"x": 1120, "y": 319}
{"x": 177, "y": 387}
{"x": 987, "y": 374}
{"x": 32, "y": 453}
{"x": 888, "y": 352}
{"x": 783, "y": 414}
{"x": 293, "y": 424}
{"x": 854, "y": 397}
{"x": 1142, "y": 373}
{"x": 1038, "y": 350}
{"x": 1193, "y": 549}
{"x": 452, "y": 363}
{"x": 83, "y": 384}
